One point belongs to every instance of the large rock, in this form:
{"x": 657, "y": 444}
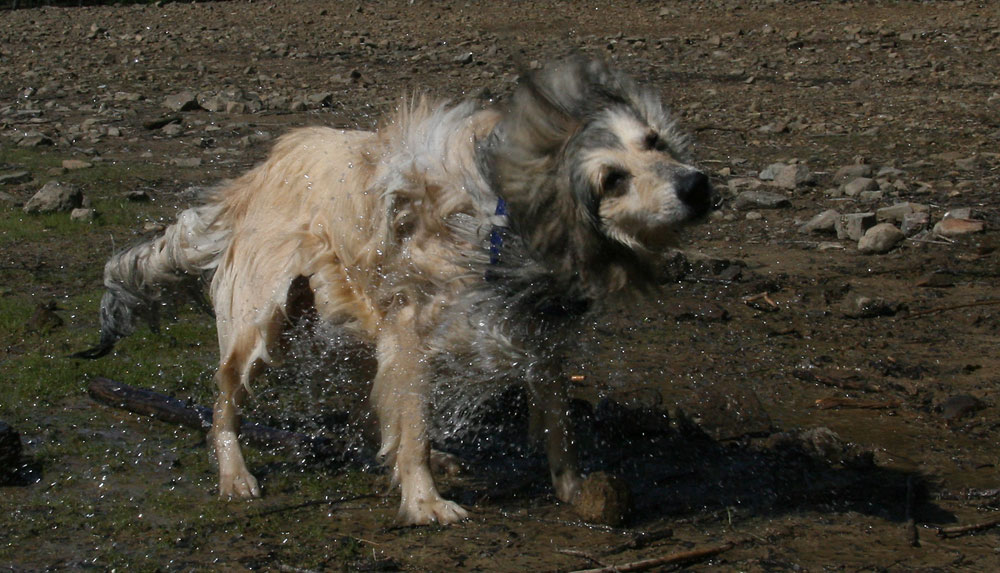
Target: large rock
{"x": 182, "y": 101}
{"x": 760, "y": 200}
{"x": 881, "y": 238}
{"x": 825, "y": 222}
{"x": 55, "y": 196}
{"x": 793, "y": 177}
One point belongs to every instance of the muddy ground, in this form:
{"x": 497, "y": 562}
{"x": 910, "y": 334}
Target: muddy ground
{"x": 753, "y": 405}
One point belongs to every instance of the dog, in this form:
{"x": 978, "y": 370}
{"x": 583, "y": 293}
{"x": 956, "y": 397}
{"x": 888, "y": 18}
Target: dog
{"x": 469, "y": 237}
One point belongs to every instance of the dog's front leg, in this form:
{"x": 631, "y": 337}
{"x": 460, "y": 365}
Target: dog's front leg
{"x": 551, "y": 427}
{"x": 400, "y": 393}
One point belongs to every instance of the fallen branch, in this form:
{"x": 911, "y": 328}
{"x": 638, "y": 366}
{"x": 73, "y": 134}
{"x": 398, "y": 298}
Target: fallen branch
{"x": 672, "y": 559}
{"x": 175, "y": 411}
{"x": 953, "y": 307}
{"x": 958, "y": 531}
{"x": 829, "y": 403}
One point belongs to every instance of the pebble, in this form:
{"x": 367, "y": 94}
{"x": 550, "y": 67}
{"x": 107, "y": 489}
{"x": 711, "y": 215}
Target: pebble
{"x": 73, "y": 164}
{"x": 864, "y": 306}
{"x": 855, "y": 186}
{"x": 953, "y": 227}
{"x": 881, "y": 238}
{"x": 914, "y": 223}
{"x": 851, "y": 172}
{"x": 794, "y": 176}
{"x": 898, "y": 211}
{"x": 186, "y": 161}
{"x": 853, "y": 225}
{"x": 771, "y": 171}
{"x": 55, "y": 196}
{"x": 35, "y": 139}
{"x": 83, "y": 214}
{"x": 182, "y": 101}
{"x": 760, "y": 200}
{"x": 15, "y": 178}
{"x": 603, "y": 499}
{"x": 825, "y": 222}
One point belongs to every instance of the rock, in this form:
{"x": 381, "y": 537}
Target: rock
{"x": 853, "y": 225}
{"x": 897, "y": 212}
{"x": 35, "y": 139}
{"x": 913, "y": 223}
{"x": 15, "y": 178}
{"x": 864, "y": 306}
{"x": 161, "y": 122}
{"x": 604, "y": 499}
{"x": 953, "y": 227}
{"x": 957, "y": 407}
{"x": 186, "y": 161}
{"x": 881, "y": 238}
{"x": 182, "y": 101}
{"x": 54, "y": 196}
{"x": 855, "y": 186}
{"x": 959, "y": 213}
{"x": 793, "y": 177}
{"x": 760, "y": 200}
{"x": 210, "y": 102}
{"x": 83, "y": 215}
{"x": 138, "y": 196}
{"x": 851, "y": 172}
{"x": 74, "y": 164}
{"x": 825, "y": 222}
{"x": 771, "y": 171}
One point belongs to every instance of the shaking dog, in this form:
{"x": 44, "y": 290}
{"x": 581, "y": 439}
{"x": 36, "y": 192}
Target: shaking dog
{"x": 464, "y": 238}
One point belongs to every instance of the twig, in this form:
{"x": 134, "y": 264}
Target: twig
{"x": 672, "y": 559}
{"x": 954, "y": 307}
{"x": 765, "y": 296}
{"x": 958, "y": 531}
{"x": 581, "y": 554}
{"x": 828, "y": 403}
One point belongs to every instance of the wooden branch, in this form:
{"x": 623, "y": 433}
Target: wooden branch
{"x": 176, "y": 411}
{"x": 971, "y": 528}
{"x": 672, "y": 559}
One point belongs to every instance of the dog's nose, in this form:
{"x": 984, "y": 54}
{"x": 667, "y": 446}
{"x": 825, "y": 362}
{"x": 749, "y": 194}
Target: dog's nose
{"x": 695, "y": 191}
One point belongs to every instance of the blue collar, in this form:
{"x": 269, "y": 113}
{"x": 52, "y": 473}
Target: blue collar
{"x": 498, "y": 231}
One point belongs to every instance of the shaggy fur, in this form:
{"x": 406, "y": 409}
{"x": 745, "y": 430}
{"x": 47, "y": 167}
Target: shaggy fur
{"x": 392, "y": 233}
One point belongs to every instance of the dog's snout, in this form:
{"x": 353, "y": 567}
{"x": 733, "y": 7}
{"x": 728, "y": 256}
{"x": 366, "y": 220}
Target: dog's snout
{"x": 695, "y": 191}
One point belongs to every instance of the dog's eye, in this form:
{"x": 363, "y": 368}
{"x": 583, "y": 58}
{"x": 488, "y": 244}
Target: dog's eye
{"x": 615, "y": 183}
{"x": 653, "y": 141}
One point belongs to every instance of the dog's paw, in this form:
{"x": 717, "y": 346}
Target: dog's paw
{"x": 243, "y": 486}
{"x": 428, "y": 511}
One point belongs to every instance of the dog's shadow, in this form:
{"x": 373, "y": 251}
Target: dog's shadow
{"x": 674, "y": 468}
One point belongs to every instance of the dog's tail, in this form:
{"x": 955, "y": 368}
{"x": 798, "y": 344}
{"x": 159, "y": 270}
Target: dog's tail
{"x": 140, "y": 279}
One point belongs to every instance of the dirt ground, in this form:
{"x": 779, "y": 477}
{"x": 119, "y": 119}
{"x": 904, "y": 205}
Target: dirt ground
{"x": 766, "y": 417}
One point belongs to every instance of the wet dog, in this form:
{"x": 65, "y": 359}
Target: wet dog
{"x": 461, "y": 238}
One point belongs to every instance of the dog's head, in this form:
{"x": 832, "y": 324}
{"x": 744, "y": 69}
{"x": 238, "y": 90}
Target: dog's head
{"x": 594, "y": 172}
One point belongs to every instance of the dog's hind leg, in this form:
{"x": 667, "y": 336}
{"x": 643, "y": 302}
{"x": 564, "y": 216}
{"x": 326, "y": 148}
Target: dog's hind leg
{"x": 552, "y": 427}
{"x": 399, "y": 393}
{"x": 233, "y": 377}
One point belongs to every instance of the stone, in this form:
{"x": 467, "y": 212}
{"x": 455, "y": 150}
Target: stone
{"x": 851, "y": 172}
{"x": 15, "y": 178}
{"x": 55, "y": 196}
{"x": 793, "y": 177}
{"x": 603, "y": 499}
{"x": 35, "y": 139}
{"x": 760, "y": 200}
{"x": 74, "y": 164}
{"x": 914, "y": 223}
{"x": 953, "y": 227}
{"x": 825, "y": 222}
{"x": 83, "y": 214}
{"x": 898, "y": 211}
{"x": 855, "y": 186}
{"x": 211, "y": 102}
{"x": 853, "y": 225}
{"x": 959, "y": 213}
{"x": 186, "y": 161}
{"x": 864, "y": 306}
{"x": 881, "y": 238}
{"x": 771, "y": 171}
{"x": 182, "y": 101}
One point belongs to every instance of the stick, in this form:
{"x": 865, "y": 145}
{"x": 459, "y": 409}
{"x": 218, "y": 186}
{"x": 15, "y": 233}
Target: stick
{"x": 673, "y": 558}
{"x": 175, "y": 411}
{"x": 955, "y": 307}
{"x": 960, "y": 530}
